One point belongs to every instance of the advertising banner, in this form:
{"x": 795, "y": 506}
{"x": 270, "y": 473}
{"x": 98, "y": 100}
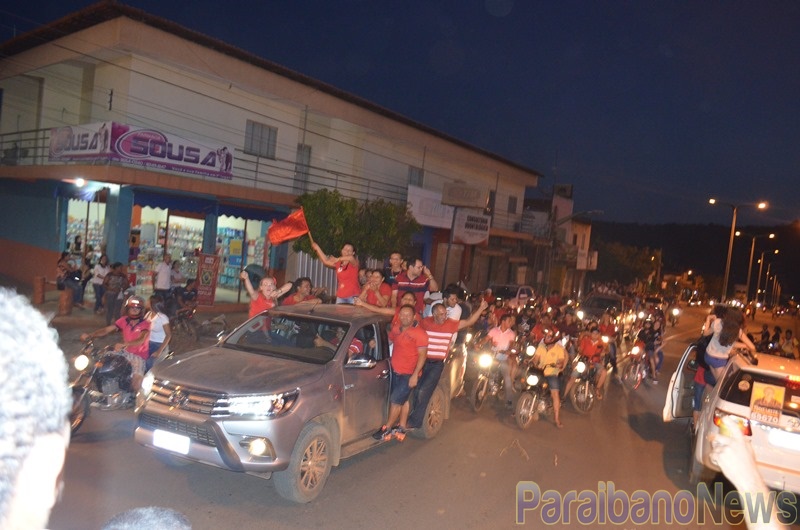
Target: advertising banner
{"x": 471, "y": 227}
{"x": 111, "y": 141}
{"x": 207, "y": 269}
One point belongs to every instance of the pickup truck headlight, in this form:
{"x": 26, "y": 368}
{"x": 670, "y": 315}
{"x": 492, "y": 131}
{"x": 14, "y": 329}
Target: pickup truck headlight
{"x": 262, "y": 405}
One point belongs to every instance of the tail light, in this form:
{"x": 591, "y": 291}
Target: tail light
{"x": 743, "y": 423}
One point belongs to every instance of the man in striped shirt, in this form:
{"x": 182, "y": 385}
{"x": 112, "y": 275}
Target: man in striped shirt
{"x": 441, "y": 331}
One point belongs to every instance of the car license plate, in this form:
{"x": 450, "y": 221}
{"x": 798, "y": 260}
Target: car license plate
{"x": 171, "y": 441}
{"x": 787, "y": 440}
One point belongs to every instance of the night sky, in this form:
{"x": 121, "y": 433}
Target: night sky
{"x": 648, "y": 108}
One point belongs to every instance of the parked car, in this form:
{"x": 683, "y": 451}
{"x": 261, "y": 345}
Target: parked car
{"x": 271, "y": 401}
{"x": 772, "y": 425}
{"x": 513, "y": 296}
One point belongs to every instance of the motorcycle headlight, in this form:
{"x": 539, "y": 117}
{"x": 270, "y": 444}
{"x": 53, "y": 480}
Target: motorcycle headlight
{"x": 676, "y": 311}
{"x": 269, "y": 406}
{"x": 581, "y": 367}
{"x": 485, "y": 360}
{"x": 580, "y": 314}
{"x": 532, "y": 380}
{"x": 642, "y": 314}
{"x": 81, "y": 362}
{"x": 635, "y": 350}
{"x": 530, "y": 350}
{"x": 147, "y": 383}
{"x": 604, "y": 338}
{"x": 468, "y": 338}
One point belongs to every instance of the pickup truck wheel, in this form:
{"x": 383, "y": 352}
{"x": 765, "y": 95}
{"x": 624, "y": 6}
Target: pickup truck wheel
{"x": 434, "y": 416}
{"x": 309, "y": 466}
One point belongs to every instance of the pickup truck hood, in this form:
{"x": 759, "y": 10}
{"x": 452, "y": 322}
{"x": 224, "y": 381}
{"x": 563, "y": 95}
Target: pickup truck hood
{"x": 223, "y": 370}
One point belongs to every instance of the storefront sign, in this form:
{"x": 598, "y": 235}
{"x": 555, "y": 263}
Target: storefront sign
{"x": 427, "y": 208}
{"x": 471, "y": 227}
{"x": 459, "y": 194}
{"x": 207, "y": 269}
{"x": 135, "y": 145}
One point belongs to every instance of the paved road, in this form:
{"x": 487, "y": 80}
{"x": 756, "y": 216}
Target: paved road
{"x": 464, "y": 478}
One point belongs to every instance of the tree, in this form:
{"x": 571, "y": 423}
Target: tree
{"x": 376, "y": 228}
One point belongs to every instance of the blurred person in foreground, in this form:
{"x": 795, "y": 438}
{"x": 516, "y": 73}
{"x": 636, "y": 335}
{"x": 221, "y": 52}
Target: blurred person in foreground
{"x": 34, "y": 432}
{"x": 148, "y": 518}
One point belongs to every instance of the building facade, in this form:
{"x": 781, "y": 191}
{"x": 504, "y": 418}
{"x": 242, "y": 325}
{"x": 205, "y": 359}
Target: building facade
{"x": 143, "y": 136}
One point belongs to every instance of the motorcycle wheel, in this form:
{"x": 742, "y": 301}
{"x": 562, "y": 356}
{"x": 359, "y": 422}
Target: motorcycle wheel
{"x": 80, "y": 409}
{"x": 632, "y": 375}
{"x": 525, "y": 414}
{"x": 582, "y": 396}
{"x": 477, "y": 395}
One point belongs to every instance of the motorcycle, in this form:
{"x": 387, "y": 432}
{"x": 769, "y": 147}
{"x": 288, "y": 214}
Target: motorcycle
{"x": 489, "y": 381}
{"x": 674, "y": 316}
{"x": 103, "y": 381}
{"x": 184, "y": 322}
{"x": 584, "y": 391}
{"x": 535, "y": 400}
{"x": 637, "y": 368}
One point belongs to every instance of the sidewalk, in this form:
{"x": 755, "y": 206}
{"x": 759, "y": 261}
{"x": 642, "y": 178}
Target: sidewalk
{"x": 79, "y": 321}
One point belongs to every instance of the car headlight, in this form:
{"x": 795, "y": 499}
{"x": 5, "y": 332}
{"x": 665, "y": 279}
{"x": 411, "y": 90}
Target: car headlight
{"x": 530, "y": 350}
{"x": 580, "y": 314}
{"x": 581, "y": 367}
{"x": 485, "y": 360}
{"x": 532, "y": 380}
{"x": 81, "y": 362}
{"x": 270, "y": 405}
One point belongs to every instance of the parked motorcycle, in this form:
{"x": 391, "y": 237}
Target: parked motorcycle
{"x": 103, "y": 381}
{"x": 584, "y": 391}
{"x": 185, "y": 322}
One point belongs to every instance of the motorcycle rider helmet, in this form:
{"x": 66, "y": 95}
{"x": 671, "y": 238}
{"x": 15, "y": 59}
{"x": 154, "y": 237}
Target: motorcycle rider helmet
{"x": 551, "y": 335}
{"x": 135, "y": 305}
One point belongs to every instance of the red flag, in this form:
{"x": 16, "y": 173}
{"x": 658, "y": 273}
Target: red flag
{"x": 292, "y": 227}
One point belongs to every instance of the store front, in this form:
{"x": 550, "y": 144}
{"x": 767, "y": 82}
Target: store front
{"x": 185, "y": 227}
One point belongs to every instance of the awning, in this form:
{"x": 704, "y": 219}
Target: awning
{"x": 185, "y": 203}
{"x": 251, "y": 212}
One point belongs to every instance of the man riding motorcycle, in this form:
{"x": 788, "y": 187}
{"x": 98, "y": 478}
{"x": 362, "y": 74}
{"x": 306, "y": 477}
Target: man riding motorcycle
{"x": 551, "y": 357}
{"x": 503, "y": 337}
{"x": 592, "y": 347}
{"x": 135, "y": 338}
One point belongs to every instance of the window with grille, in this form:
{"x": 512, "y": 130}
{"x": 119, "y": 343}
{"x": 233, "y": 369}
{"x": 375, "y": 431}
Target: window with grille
{"x": 512, "y": 205}
{"x": 302, "y": 166}
{"x": 415, "y": 176}
{"x": 260, "y": 139}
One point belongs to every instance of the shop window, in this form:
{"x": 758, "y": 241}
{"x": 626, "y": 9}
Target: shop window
{"x": 415, "y": 176}
{"x": 260, "y": 139}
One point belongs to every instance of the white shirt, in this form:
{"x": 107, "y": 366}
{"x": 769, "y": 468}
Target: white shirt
{"x": 454, "y": 313}
{"x": 157, "y": 322}
{"x": 99, "y": 273}
{"x": 163, "y": 276}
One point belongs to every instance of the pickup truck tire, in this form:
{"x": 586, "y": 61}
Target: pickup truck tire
{"x": 309, "y": 466}
{"x": 434, "y": 415}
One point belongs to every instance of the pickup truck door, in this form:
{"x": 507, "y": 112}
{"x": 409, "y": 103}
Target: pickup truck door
{"x": 366, "y": 389}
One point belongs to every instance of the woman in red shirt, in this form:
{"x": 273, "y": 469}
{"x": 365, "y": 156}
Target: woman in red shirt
{"x": 267, "y": 295}
{"x": 346, "y": 267}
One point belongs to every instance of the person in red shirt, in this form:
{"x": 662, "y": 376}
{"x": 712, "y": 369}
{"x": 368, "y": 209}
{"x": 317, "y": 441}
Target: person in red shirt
{"x": 346, "y": 267}
{"x": 441, "y": 332}
{"x": 376, "y": 291}
{"x": 609, "y": 329}
{"x": 302, "y": 292}
{"x": 394, "y": 312}
{"x": 267, "y": 295}
{"x": 410, "y": 348}
{"x": 591, "y": 346}
{"x": 135, "y": 345}
{"x": 537, "y": 333}
{"x": 417, "y": 279}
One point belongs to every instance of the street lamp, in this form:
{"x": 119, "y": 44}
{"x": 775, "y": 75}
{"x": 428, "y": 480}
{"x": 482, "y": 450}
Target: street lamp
{"x": 750, "y": 263}
{"x": 758, "y": 280}
{"x": 735, "y": 207}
